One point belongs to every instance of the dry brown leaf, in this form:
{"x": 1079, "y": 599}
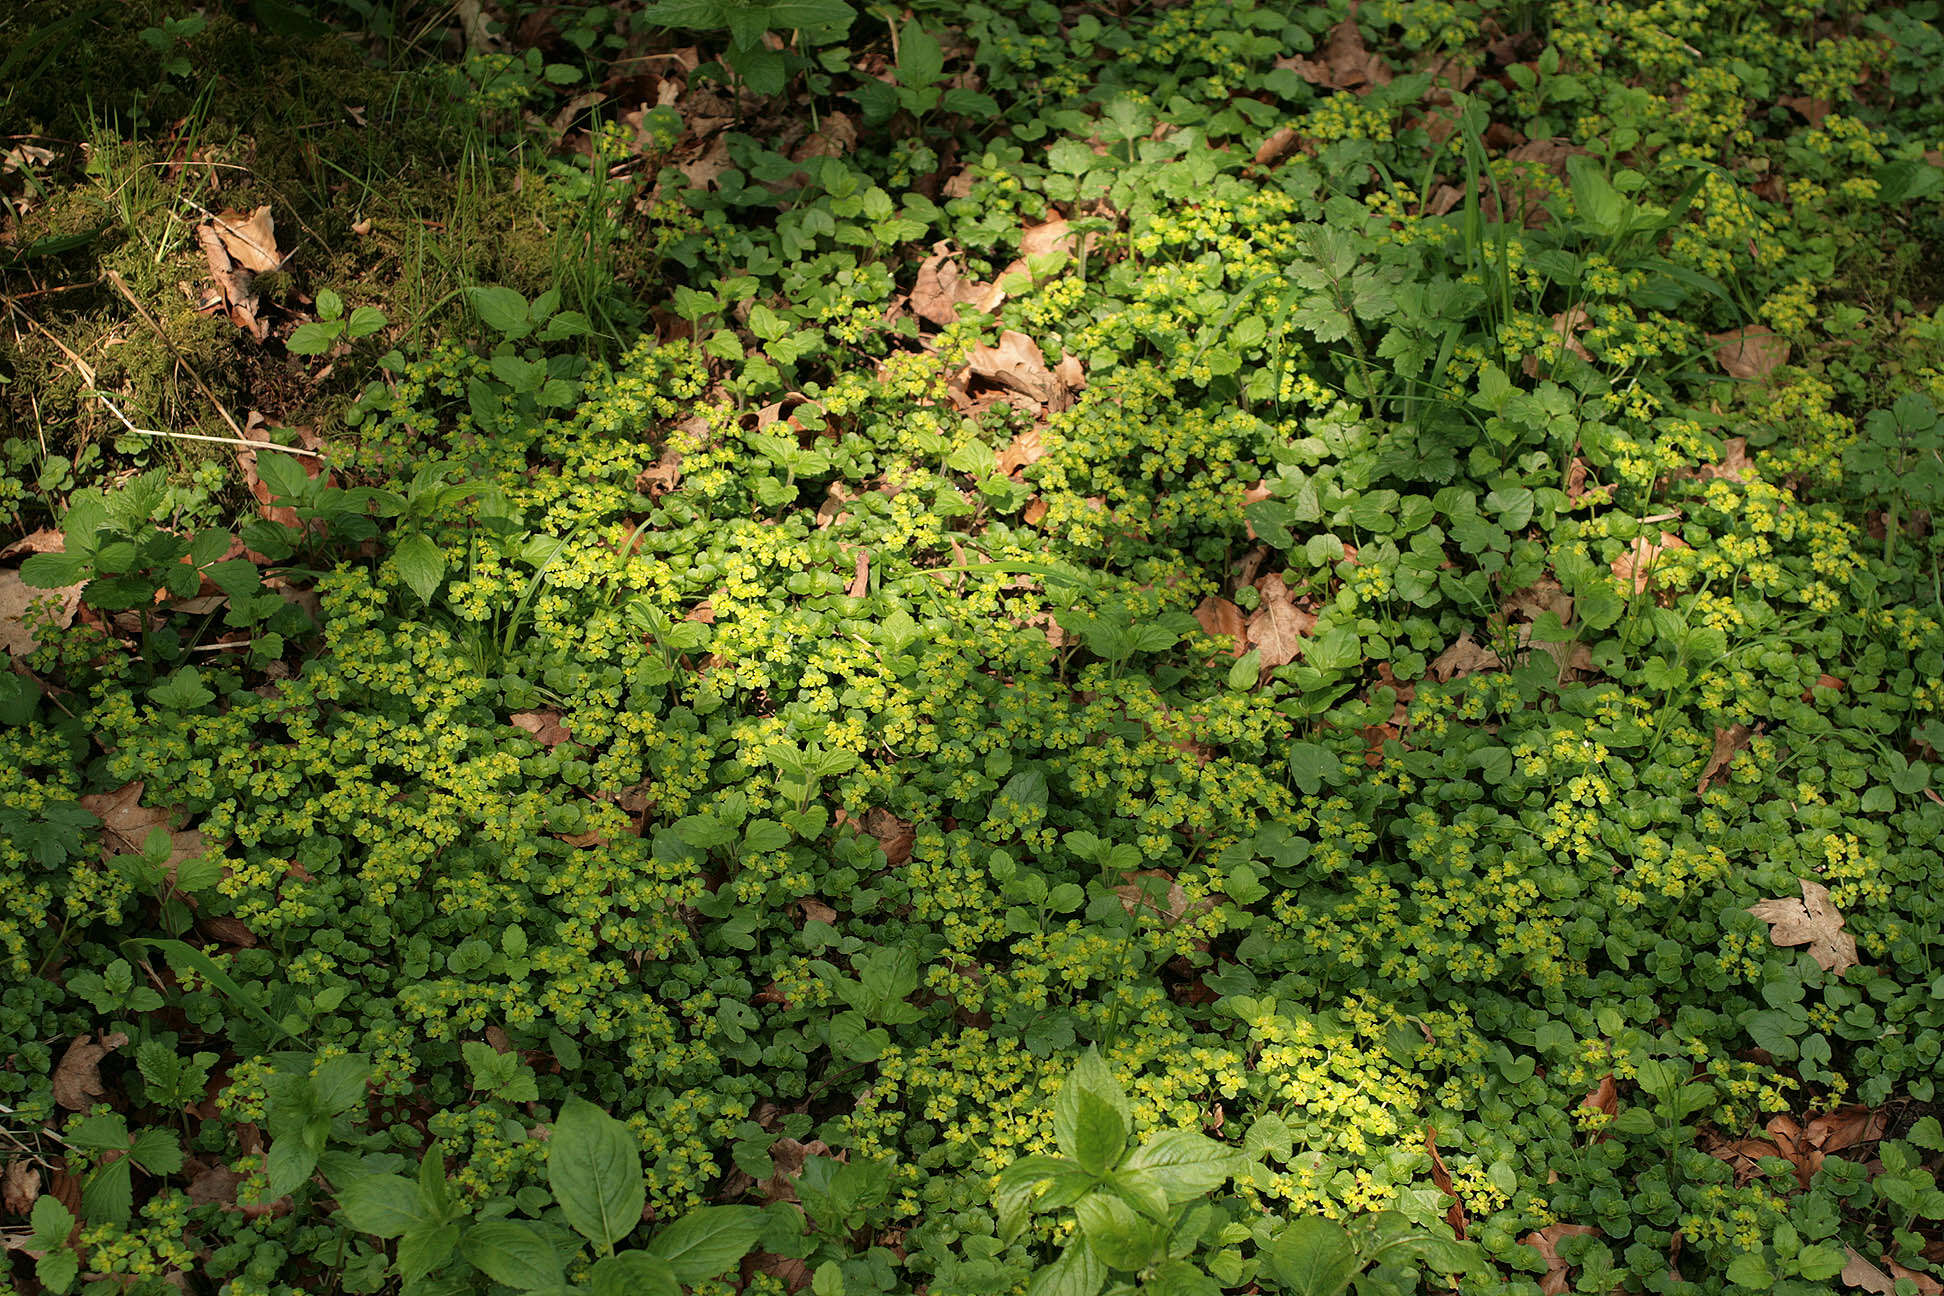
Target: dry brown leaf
{"x": 1218, "y": 616}
{"x": 1025, "y": 449}
{"x": 794, "y": 1274}
{"x": 251, "y": 241}
{"x": 1752, "y": 352}
{"x": 19, "y": 1187}
{"x": 1278, "y": 627}
{"x": 227, "y": 931}
{"x": 1810, "y": 110}
{"x": 835, "y": 136}
{"x": 126, "y": 824}
{"x": 45, "y": 540}
{"x": 1053, "y": 236}
{"x": 1811, "y": 921}
{"x": 1605, "y": 1096}
{"x": 1070, "y": 374}
{"x": 235, "y": 287}
{"x": 1846, "y": 1127}
{"x": 1636, "y": 566}
{"x": 1017, "y": 365}
{"x": 1158, "y": 893}
{"x": 895, "y": 837}
{"x": 1280, "y": 141}
{"x": 282, "y": 513}
{"x": 545, "y": 727}
{"x": 1734, "y": 464}
{"x": 1546, "y": 1242}
{"x": 861, "y": 579}
{"x": 1864, "y": 1276}
{"x": 1926, "y": 1284}
{"x": 77, "y": 1080}
{"x": 817, "y": 911}
{"x": 942, "y": 286}
{"x": 1728, "y": 743}
{"x": 1465, "y": 657}
{"x": 1441, "y": 1176}
{"x": 787, "y": 1156}
{"x": 18, "y": 599}
{"x": 663, "y": 477}
{"x": 1343, "y": 63}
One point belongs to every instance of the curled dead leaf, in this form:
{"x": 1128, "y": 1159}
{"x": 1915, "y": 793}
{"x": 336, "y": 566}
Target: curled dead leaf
{"x": 23, "y": 606}
{"x": 45, "y": 540}
{"x": 1024, "y": 449}
{"x": 250, "y": 241}
{"x": 545, "y": 727}
{"x": 1864, "y": 1276}
{"x": 126, "y": 824}
{"x": 1728, "y": 743}
{"x": 1156, "y": 891}
{"x": 894, "y": 836}
{"x": 942, "y": 287}
{"x": 1279, "y": 142}
{"x": 1278, "y": 627}
{"x": 1752, "y": 352}
{"x": 20, "y": 1187}
{"x": 1465, "y": 657}
{"x": 1016, "y": 365}
{"x": 1636, "y": 566}
{"x": 1546, "y": 1242}
{"x": 1441, "y": 1176}
{"x": 1218, "y": 616}
{"x": 1813, "y": 921}
{"x": 1343, "y": 63}
{"x": 77, "y": 1079}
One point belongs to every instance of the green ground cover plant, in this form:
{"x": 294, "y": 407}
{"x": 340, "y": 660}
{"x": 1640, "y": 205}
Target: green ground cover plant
{"x": 1214, "y": 647}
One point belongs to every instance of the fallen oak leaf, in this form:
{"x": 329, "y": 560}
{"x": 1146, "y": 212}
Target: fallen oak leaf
{"x": 942, "y": 287}
{"x": 1222, "y": 618}
{"x": 250, "y": 241}
{"x": 20, "y": 1187}
{"x": 1812, "y": 921}
{"x": 1546, "y": 1242}
{"x": 1728, "y": 743}
{"x": 77, "y": 1079}
{"x": 1859, "y": 1273}
{"x": 1278, "y": 627}
{"x": 1345, "y": 63}
{"x": 45, "y": 540}
{"x": 128, "y": 822}
{"x": 1636, "y": 566}
{"x": 1279, "y": 142}
{"x": 1441, "y": 1176}
{"x": 894, "y": 836}
{"x": 1750, "y": 353}
{"x": 1466, "y": 656}
{"x": 1025, "y": 449}
{"x": 18, "y": 603}
{"x": 1017, "y": 365}
{"x": 1846, "y": 1127}
{"x": 545, "y": 727}
{"x": 1927, "y": 1285}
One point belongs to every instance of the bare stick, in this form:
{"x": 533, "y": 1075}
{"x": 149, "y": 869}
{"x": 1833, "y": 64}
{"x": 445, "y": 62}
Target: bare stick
{"x": 195, "y": 436}
{"x": 115, "y": 278}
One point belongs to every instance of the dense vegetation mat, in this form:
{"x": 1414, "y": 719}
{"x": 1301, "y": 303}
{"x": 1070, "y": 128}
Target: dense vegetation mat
{"x": 1186, "y": 648}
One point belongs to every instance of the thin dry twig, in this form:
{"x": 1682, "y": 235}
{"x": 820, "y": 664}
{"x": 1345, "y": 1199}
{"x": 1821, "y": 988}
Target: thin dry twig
{"x": 121, "y": 286}
{"x": 87, "y": 370}
{"x": 196, "y": 436}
